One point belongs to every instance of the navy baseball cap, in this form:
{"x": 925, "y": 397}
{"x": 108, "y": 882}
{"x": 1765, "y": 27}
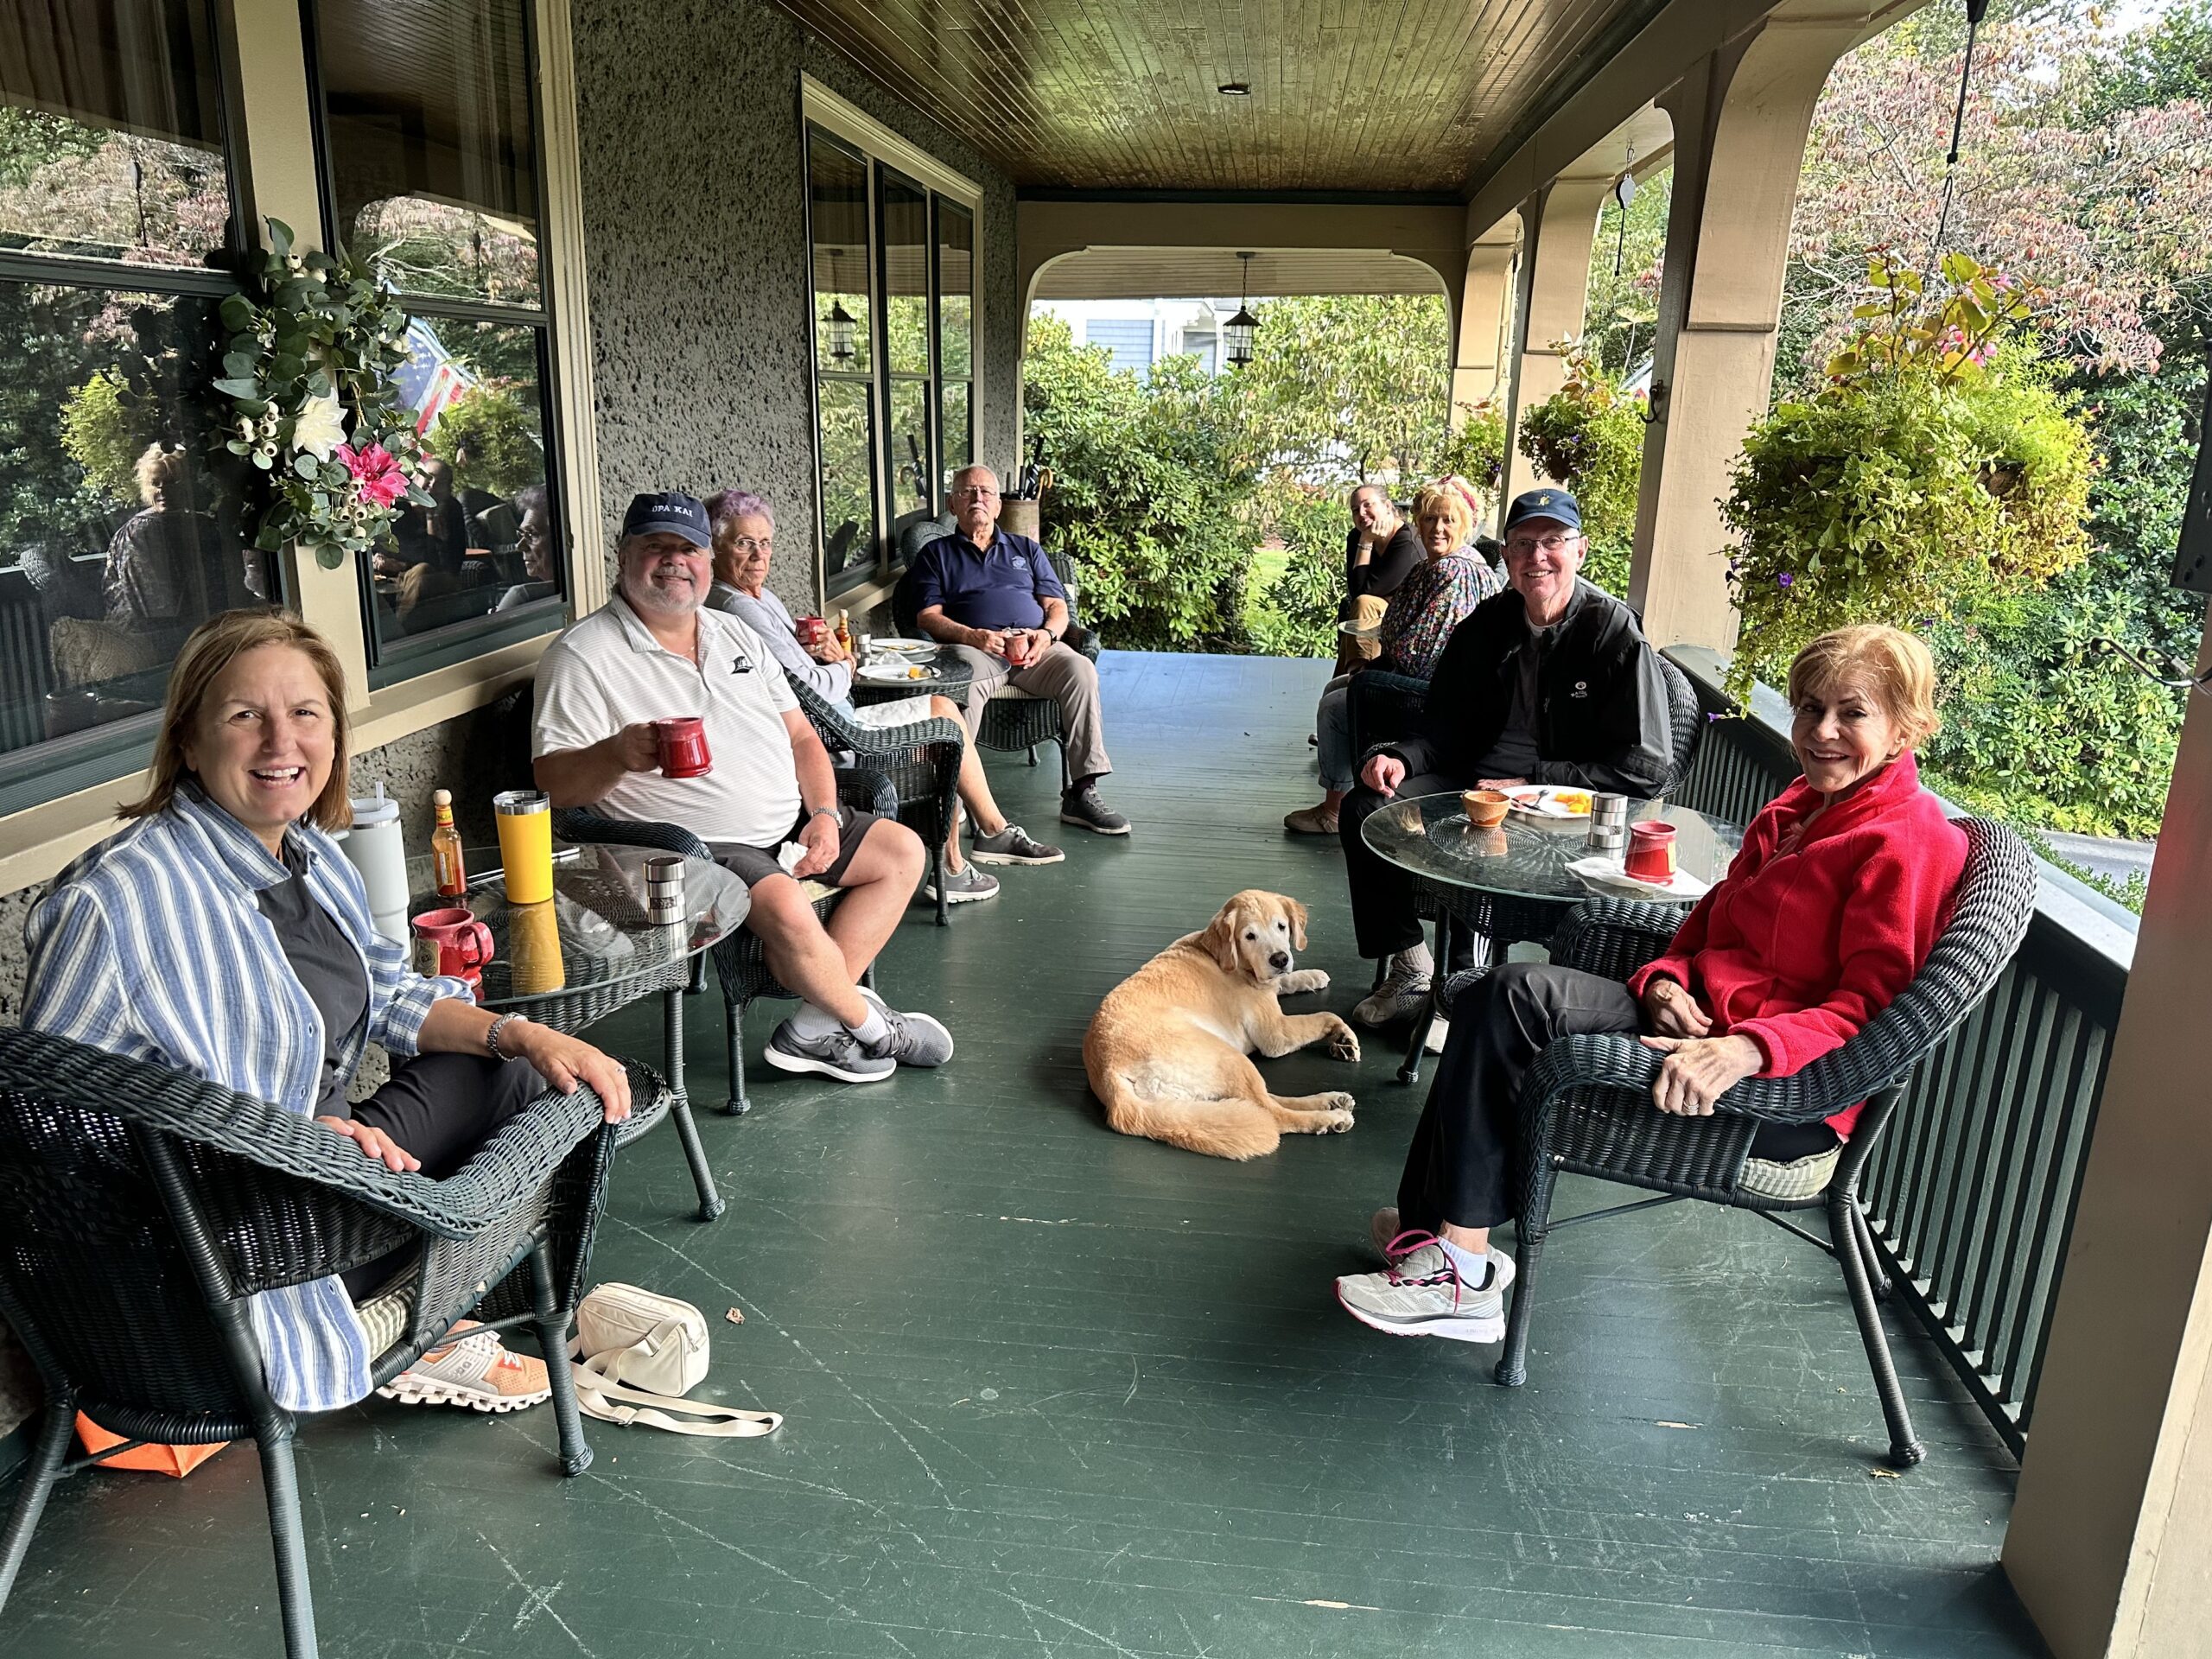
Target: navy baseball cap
{"x": 1553, "y": 504}
{"x": 671, "y": 510}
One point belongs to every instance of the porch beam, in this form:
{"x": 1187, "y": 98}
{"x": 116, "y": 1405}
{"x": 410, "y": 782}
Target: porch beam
{"x": 1562, "y": 220}
{"x": 1480, "y": 342}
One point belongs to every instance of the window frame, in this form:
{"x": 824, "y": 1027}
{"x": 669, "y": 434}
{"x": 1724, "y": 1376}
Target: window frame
{"x": 391, "y": 661}
{"x": 882, "y": 150}
{"x": 57, "y": 766}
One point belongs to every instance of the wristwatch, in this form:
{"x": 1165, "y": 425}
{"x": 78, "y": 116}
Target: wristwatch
{"x": 829, "y": 812}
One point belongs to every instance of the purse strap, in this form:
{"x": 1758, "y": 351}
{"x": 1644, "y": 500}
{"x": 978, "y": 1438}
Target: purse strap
{"x": 610, "y": 1402}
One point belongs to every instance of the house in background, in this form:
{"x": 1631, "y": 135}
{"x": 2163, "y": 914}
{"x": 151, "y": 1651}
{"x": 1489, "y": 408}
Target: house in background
{"x": 1140, "y": 333}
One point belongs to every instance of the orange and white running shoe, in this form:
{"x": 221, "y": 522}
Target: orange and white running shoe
{"x": 476, "y": 1372}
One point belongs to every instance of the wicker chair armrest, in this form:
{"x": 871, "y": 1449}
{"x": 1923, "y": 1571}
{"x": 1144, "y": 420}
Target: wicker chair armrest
{"x": 513, "y": 1163}
{"x": 867, "y": 792}
{"x": 1614, "y": 937}
{"x": 1083, "y": 639}
{"x": 1624, "y": 1068}
{"x": 581, "y": 826}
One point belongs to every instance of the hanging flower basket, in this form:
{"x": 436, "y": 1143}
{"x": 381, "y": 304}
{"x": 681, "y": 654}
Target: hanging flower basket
{"x": 314, "y": 343}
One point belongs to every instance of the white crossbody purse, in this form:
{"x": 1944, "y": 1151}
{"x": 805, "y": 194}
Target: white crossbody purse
{"x": 637, "y": 1353}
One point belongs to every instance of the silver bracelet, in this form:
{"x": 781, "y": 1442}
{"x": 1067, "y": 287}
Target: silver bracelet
{"x": 491, "y": 1037}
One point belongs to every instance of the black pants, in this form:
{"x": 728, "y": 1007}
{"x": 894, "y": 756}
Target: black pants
{"x": 1382, "y": 916}
{"x": 1464, "y": 1167}
{"x": 440, "y": 1108}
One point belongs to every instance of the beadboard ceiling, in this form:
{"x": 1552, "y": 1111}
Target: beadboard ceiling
{"x": 1346, "y": 95}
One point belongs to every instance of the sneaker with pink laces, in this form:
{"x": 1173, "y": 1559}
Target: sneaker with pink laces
{"x": 477, "y": 1372}
{"x": 1421, "y": 1294}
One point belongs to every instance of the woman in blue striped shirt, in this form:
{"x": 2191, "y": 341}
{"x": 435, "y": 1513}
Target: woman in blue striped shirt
{"x": 223, "y": 932}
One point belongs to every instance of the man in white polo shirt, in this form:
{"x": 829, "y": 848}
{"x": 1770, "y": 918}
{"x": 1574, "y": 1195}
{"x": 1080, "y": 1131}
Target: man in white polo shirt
{"x": 653, "y": 653}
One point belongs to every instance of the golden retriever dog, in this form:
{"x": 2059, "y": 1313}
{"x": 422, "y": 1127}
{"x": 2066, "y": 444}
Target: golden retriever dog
{"x": 1166, "y": 1051}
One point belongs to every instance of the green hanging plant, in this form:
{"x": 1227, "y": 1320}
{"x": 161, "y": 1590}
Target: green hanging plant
{"x": 1589, "y": 436}
{"x": 1936, "y": 464}
{"x": 314, "y": 343}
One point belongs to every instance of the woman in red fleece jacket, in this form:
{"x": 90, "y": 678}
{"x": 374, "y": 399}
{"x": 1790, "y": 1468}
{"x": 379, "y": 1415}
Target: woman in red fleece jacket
{"x": 1842, "y": 885}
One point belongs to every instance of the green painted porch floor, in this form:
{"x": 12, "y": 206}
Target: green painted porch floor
{"x": 1052, "y": 1391}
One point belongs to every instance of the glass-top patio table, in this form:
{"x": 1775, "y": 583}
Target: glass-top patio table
{"x": 948, "y": 675}
{"x": 587, "y": 952}
{"x": 1512, "y": 883}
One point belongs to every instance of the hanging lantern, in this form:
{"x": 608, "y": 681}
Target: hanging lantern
{"x": 840, "y": 322}
{"x": 1240, "y": 328}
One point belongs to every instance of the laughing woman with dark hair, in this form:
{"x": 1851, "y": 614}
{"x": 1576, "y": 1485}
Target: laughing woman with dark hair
{"x": 223, "y": 933}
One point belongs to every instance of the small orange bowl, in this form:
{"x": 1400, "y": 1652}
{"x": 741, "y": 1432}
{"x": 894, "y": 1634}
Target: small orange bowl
{"x": 1485, "y": 807}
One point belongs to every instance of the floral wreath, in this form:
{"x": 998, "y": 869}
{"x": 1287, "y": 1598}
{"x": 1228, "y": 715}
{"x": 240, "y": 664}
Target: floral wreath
{"x": 314, "y": 343}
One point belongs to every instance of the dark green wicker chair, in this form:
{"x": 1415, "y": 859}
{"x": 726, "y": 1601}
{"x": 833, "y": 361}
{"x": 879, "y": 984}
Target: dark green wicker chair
{"x": 140, "y": 1208}
{"x": 740, "y": 961}
{"x": 1013, "y": 722}
{"x": 921, "y": 762}
{"x": 1587, "y": 1103}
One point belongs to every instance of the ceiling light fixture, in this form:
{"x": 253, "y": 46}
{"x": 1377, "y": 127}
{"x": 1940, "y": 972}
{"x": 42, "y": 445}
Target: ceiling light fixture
{"x": 1241, "y": 327}
{"x": 1235, "y": 89}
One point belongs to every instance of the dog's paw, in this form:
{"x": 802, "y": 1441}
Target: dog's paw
{"x": 1338, "y": 1114}
{"x": 1343, "y": 1042}
{"x": 1305, "y": 980}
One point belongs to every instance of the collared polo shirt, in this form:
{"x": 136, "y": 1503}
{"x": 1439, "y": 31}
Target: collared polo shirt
{"x": 1002, "y": 586}
{"x": 607, "y": 671}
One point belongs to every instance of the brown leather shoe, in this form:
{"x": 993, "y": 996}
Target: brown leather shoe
{"x": 1311, "y": 820}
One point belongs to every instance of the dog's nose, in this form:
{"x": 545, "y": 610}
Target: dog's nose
{"x": 1279, "y": 962}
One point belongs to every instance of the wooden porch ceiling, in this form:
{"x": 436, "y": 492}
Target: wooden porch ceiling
{"x": 1346, "y": 95}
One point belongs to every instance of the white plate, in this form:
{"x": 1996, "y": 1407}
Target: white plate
{"x": 1602, "y": 873}
{"x": 894, "y": 674}
{"x": 1542, "y": 801}
{"x": 905, "y": 647}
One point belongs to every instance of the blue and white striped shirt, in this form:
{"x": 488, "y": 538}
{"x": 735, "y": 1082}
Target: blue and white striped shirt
{"x": 152, "y": 945}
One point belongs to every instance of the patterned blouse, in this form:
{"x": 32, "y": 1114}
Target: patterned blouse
{"x": 1427, "y": 605}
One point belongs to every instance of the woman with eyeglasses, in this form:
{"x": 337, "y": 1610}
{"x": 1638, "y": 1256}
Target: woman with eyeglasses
{"x": 745, "y": 534}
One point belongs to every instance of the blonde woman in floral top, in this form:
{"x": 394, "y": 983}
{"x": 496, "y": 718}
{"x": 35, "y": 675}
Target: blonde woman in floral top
{"x": 1431, "y": 602}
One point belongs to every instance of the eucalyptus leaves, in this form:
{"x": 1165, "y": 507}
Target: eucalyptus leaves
{"x": 314, "y": 342}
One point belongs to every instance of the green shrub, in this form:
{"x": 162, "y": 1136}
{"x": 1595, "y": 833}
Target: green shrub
{"x": 1295, "y": 614}
{"x": 1159, "y": 528}
{"x": 1588, "y": 435}
{"x": 491, "y": 438}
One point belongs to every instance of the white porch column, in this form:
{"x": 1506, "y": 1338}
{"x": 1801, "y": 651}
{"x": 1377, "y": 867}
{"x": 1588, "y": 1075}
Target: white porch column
{"x": 1559, "y": 225}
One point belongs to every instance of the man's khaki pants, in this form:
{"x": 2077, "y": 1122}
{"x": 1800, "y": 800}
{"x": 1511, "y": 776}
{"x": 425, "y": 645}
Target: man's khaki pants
{"x": 1064, "y": 674}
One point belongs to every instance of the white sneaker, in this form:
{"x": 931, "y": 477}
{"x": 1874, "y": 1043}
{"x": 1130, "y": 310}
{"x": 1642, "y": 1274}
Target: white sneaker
{"x": 1421, "y": 1294}
{"x": 1403, "y": 994}
{"x": 474, "y": 1371}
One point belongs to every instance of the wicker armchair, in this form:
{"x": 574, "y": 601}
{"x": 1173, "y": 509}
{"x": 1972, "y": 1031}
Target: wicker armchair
{"x": 921, "y": 762}
{"x": 140, "y": 1208}
{"x": 740, "y": 961}
{"x": 1014, "y": 721}
{"x": 1587, "y": 1103}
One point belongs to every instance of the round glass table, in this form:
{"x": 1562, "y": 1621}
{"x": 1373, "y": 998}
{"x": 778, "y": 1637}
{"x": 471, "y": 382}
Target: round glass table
{"x": 1512, "y": 883}
{"x": 578, "y": 956}
{"x": 947, "y": 676}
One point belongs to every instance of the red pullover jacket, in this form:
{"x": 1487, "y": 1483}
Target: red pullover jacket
{"x": 1797, "y": 950}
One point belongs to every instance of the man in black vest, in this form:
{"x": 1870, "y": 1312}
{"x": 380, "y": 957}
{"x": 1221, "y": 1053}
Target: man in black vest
{"x": 1550, "y": 682}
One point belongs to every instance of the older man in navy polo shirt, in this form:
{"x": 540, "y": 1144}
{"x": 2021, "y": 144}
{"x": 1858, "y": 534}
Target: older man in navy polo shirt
{"x": 997, "y": 594}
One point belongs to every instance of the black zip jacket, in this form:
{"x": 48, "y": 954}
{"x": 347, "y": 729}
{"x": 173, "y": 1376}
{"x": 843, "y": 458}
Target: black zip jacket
{"x": 1602, "y": 718}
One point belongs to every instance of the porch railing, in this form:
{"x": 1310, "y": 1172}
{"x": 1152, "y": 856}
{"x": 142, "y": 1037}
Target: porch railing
{"x": 1972, "y": 1194}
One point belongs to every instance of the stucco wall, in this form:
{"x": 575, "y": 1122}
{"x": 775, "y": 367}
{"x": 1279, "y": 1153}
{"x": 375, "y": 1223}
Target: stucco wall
{"x": 694, "y": 198}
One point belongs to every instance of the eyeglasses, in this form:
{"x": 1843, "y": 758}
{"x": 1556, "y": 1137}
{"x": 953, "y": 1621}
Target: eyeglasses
{"x": 981, "y": 493}
{"x": 1522, "y": 546}
{"x": 752, "y": 544}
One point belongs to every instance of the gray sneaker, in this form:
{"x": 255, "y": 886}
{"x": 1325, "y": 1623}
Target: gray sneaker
{"x": 1013, "y": 845}
{"x": 1421, "y": 1294}
{"x": 837, "y": 1054}
{"x": 963, "y": 887}
{"x": 915, "y": 1039}
{"x": 1403, "y": 994}
{"x": 1083, "y": 807}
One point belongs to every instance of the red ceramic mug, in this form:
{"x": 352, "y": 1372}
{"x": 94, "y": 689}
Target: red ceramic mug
{"x": 812, "y": 630}
{"x": 683, "y": 747}
{"x": 1651, "y": 852}
{"x": 452, "y": 942}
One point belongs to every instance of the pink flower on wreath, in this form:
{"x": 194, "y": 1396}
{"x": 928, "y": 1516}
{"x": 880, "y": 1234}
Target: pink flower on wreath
{"x": 375, "y": 472}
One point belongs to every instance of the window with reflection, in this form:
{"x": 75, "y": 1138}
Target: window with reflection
{"x": 119, "y": 533}
{"x": 430, "y": 143}
{"x": 892, "y": 405}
